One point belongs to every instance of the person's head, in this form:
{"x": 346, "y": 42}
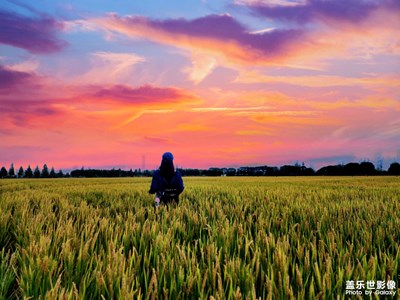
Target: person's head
{"x": 167, "y": 168}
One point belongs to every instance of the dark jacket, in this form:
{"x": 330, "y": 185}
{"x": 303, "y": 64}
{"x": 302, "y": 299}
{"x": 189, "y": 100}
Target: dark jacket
{"x": 167, "y": 189}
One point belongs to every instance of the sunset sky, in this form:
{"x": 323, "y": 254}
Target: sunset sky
{"x": 103, "y": 84}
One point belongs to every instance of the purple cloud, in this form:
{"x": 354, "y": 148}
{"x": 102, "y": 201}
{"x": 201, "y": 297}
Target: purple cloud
{"x": 216, "y": 26}
{"x": 144, "y": 94}
{"x": 225, "y": 27}
{"x": 221, "y": 29}
{"x": 21, "y": 98}
{"x": 37, "y": 107}
{"x": 10, "y": 79}
{"x": 352, "y": 11}
{"x": 37, "y": 35}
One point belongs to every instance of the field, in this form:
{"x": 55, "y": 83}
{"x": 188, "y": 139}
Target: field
{"x": 229, "y": 238}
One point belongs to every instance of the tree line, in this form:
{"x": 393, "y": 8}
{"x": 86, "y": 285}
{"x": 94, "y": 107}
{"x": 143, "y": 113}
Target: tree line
{"x": 29, "y": 173}
{"x": 350, "y": 169}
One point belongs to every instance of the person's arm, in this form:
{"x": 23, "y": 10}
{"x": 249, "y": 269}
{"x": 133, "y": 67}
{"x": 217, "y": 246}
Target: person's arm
{"x": 180, "y": 186}
{"x": 154, "y": 187}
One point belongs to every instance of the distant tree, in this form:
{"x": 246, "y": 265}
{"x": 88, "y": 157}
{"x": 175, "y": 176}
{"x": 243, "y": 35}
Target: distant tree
{"x": 11, "y": 171}
{"x": 272, "y": 171}
{"x": 288, "y": 170}
{"x": 307, "y": 171}
{"x": 3, "y": 172}
{"x": 76, "y": 173}
{"x": 52, "y": 173}
{"x": 394, "y": 169}
{"x": 231, "y": 172}
{"x": 147, "y": 173}
{"x": 352, "y": 169}
{"x": 189, "y": 172}
{"x": 21, "y": 172}
{"x": 36, "y": 172}
{"x": 331, "y": 170}
{"x": 214, "y": 172}
{"x": 28, "y": 172}
{"x": 60, "y": 174}
{"x": 45, "y": 171}
{"x": 367, "y": 168}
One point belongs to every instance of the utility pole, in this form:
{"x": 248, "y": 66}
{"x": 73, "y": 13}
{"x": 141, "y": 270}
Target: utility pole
{"x": 144, "y": 162}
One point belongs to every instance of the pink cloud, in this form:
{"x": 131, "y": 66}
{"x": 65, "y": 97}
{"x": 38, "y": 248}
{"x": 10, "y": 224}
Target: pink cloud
{"x": 22, "y": 97}
{"x": 41, "y": 101}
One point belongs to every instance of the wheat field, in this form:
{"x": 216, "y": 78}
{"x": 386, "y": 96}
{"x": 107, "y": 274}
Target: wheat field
{"x": 229, "y": 238}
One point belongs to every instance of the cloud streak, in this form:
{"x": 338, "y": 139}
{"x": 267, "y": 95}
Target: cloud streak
{"x": 349, "y": 11}
{"x": 390, "y": 80}
{"x": 109, "y": 68}
{"x": 145, "y": 95}
{"x": 220, "y": 35}
{"x": 36, "y": 35}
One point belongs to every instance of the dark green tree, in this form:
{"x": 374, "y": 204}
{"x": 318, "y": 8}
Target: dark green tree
{"x": 11, "y": 171}
{"x": 367, "y": 168}
{"x": 394, "y": 169}
{"x": 3, "y": 172}
{"x": 52, "y": 173}
{"x": 60, "y": 174}
{"x": 21, "y": 172}
{"x": 45, "y": 172}
{"x": 28, "y": 172}
{"x": 36, "y": 173}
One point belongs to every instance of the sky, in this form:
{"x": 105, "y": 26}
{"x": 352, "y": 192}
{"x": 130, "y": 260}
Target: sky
{"x": 115, "y": 84}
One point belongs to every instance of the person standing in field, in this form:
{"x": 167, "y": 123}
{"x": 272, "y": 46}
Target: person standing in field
{"x": 167, "y": 183}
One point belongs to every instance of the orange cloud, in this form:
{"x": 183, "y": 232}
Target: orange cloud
{"x": 192, "y": 127}
{"x": 320, "y": 80}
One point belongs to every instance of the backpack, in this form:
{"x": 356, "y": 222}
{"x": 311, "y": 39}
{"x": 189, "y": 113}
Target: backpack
{"x": 170, "y": 192}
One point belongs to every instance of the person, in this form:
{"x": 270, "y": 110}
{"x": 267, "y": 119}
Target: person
{"x": 166, "y": 183}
